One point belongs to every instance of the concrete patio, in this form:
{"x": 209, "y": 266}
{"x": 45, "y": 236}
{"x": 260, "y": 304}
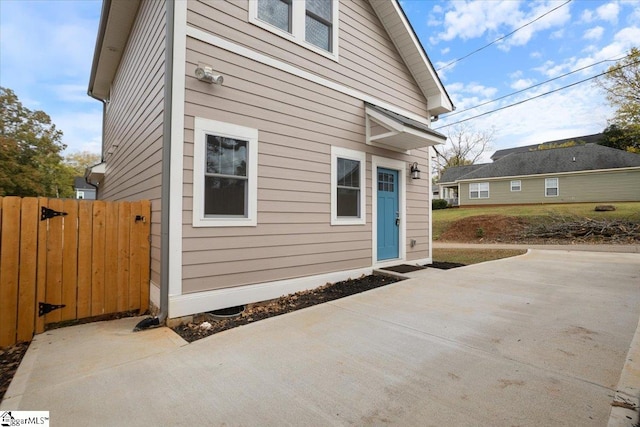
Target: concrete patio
{"x": 539, "y": 339}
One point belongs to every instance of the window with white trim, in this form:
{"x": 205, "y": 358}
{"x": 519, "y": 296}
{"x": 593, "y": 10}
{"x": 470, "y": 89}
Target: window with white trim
{"x": 516, "y": 185}
{"x": 310, "y": 23}
{"x": 551, "y": 188}
{"x": 347, "y": 187}
{"x": 479, "y": 190}
{"x": 225, "y": 163}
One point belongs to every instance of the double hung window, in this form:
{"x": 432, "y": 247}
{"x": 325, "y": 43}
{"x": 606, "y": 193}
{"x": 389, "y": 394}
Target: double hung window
{"x": 479, "y": 190}
{"x": 311, "y": 23}
{"x": 551, "y": 187}
{"x": 347, "y": 186}
{"x": 224, "y": 174}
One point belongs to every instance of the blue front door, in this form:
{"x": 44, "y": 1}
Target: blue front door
{"x": 388, "y": 215}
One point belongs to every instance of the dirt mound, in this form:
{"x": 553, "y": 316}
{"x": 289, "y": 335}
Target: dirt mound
{"x": 485, "y": 228}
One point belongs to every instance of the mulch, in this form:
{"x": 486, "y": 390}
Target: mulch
{"x": 207, "y": 324}
{"x": 10, "y": 359}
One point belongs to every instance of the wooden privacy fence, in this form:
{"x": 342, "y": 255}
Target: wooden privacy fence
{"x": 66, "y": 259}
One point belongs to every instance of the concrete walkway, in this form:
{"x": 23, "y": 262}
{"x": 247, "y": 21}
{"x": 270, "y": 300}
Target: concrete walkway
{"x": 539, "y": 339}
{"x": 588, "y": 248}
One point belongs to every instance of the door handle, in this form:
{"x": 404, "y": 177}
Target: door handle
{"x": 397, "y": 218}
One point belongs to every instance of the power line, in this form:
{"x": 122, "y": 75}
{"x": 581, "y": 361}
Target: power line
{"x": 534, "y": 97}
{"x": 503, "y": 37}
{"x": 534, "y": 86}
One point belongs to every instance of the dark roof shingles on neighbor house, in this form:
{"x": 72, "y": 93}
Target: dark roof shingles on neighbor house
{"x": 556, "y": 160}
{"x": 454, "y": 173}
{"x": 587, "y": 139}
{"x": 79, "y": 183}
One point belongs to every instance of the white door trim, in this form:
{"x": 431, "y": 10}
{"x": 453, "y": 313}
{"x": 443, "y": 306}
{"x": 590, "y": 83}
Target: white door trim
{"x": 401, "y": 167}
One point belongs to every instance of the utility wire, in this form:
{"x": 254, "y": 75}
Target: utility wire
{"x": 503, "y": 37}
{"x": 534, "y": 86}
{"x": 534, "y": 97}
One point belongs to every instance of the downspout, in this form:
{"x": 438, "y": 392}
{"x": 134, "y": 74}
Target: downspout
{"x": 106, "y": 5}
{"x": 159, "y": 320}
{"x": 104, "y": 115}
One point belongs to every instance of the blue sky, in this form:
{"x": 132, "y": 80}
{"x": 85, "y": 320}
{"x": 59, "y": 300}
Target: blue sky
{"x": 46, "y": 49}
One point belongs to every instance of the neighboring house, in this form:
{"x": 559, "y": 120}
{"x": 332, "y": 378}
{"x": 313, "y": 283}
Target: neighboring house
{"x": 82, "y": 189}
{"x": 274, "y": 138}
{"x": 587, "y": 139}
{"x": 581, "y": 173}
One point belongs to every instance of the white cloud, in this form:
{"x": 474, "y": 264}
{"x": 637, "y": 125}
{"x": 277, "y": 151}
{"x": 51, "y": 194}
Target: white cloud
{"x": 521, "y": 84}
{"x": 557, "y": 18}
{"x": 608, "y": 12}
{"x": 467, "y": 20}
{"x": 82, "y": 130}
{"x": 445, "y": 51}
{"x": 576, "y": 111}
{"x": 594, "y": 33}
{"x": 46, "y": 51}
{"x": 557, "y": 35}
{"x": 587, "y": 16}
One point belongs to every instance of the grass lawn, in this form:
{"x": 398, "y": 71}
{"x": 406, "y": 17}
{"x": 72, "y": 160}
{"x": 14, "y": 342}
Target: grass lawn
{"x": 628, "y": 211}
{"x": 474, "y": 256}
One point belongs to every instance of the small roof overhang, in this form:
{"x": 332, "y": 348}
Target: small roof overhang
{"x": 396, "y": 132}
{"x": 116, "y": 20}
{"x": 404, "y": 37}
{"x": 95, "y": 173}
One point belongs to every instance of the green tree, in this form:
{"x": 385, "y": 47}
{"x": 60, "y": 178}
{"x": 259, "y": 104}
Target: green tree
{"x": 622, "y": 86}
{"x": 80, "y": 160}
{"x": 30, "y": 160}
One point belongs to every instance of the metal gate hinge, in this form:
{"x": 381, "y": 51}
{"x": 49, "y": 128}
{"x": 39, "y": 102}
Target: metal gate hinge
{"x": 46, "y": 213}
{"x": 45, "y": 308}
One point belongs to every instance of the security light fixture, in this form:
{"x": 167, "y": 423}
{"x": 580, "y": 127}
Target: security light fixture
{"x": 205, "y": 74}
{"x": 415, "y": 172}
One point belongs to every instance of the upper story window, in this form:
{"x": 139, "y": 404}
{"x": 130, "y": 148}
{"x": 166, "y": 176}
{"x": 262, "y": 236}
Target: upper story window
{"x": 276, "y": 13}
{"x": 310, "y": 23}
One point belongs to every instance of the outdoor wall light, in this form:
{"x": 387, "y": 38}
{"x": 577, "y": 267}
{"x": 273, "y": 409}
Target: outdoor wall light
{"x": 415, "y": 172}
{"x": 205, "y": 74}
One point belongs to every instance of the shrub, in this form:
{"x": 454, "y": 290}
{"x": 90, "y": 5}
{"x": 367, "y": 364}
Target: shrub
{"x": 439, "y": 204}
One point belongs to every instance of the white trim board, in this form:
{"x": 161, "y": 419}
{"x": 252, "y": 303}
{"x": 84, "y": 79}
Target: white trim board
{"x": 287, "y": 68}
{"x": 401, "y": 167}
{"x": 177, "y": 146}
{"x": 199, "y": 302}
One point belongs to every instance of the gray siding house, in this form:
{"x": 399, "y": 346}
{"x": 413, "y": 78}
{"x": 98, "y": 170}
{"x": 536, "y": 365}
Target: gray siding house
{"x": 82, "y": 189}
{"x": 581, "y": 173}
{"x": 274, "y": 138}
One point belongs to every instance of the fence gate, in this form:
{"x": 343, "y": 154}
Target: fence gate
{"x": 66, "y": 259}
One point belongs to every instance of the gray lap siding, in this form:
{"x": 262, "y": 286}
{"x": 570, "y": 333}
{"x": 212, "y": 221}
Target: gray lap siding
{"x": 298, "y": 123}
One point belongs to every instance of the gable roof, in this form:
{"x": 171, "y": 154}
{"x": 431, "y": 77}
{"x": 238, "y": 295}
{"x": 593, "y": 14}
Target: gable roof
{"x": 404, "y": 38}
{"x": 451, "y": 174}
{"x": 79, "y": 183}
{"x": 557, "y": 160}
{"x": 587, "y": 139}
{"x": 117, "y": 18}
